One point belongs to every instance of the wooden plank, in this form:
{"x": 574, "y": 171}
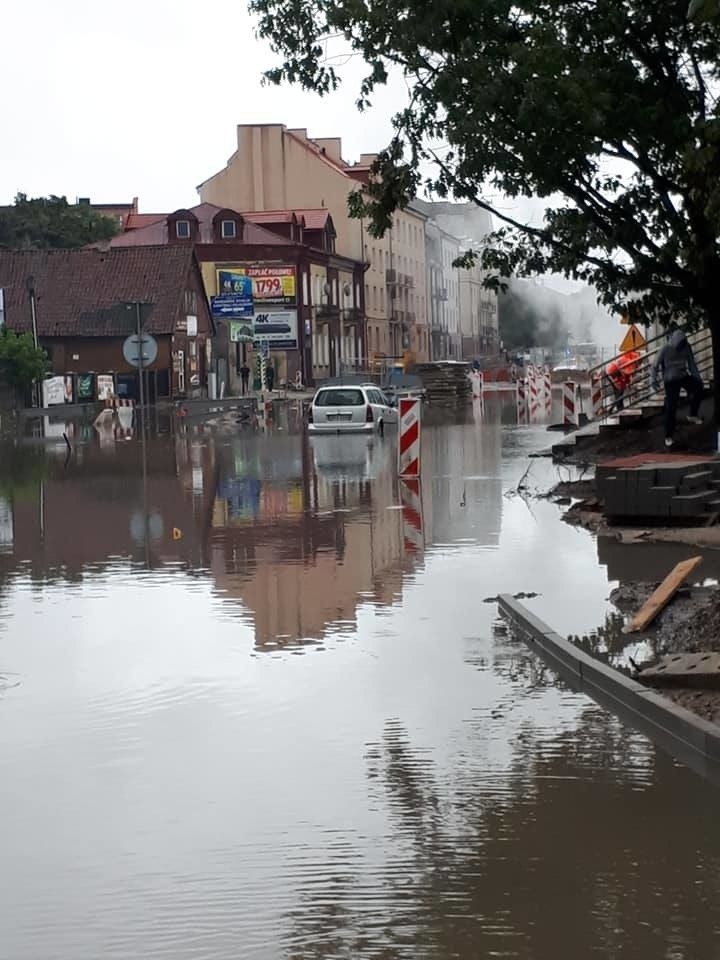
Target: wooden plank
{"x": 662, "y": 596}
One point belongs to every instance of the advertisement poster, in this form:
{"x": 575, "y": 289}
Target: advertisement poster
{"x": 241, "y": 331}
{"x": 105, "y": 386}
{"x": 85, "y": 389}
{"x": 268, "y": 284}
{"x": 277, "y": 329}
{"x": 69, "y": 390}
{"x": 53, "y": 391}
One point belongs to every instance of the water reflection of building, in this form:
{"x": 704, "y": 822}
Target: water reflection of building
{"x": 96, "y": 508}
{"x": 462, "y": 455}
{"x": 301, "y": 531}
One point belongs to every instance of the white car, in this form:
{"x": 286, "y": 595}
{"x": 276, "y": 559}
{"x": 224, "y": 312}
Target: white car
{"x": 356, "y": 408}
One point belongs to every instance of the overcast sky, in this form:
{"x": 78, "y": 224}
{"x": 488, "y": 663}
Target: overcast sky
{"x": 141, "y": 98}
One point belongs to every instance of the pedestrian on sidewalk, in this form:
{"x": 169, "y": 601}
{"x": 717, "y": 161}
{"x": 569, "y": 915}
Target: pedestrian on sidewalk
{"x": 676, "y": 363}
{"x": 244, "y": 376}
{"x": 270, "y": 377}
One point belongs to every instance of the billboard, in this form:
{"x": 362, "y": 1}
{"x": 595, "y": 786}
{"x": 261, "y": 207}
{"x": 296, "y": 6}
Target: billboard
{"x": 277, "y": 328}
{"x": 264, "y": 284}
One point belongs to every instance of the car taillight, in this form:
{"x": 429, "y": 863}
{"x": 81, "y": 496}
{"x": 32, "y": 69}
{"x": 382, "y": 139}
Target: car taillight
{"x": 369, "y": 418}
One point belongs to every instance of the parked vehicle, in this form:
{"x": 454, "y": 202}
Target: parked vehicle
{"x": 354, "y": 408}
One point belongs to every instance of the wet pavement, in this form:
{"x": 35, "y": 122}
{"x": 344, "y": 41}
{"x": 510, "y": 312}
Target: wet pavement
{"x": 253, "y": 704}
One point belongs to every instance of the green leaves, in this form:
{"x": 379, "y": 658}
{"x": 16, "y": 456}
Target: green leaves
{"x": 606, "y": 108}
{"x": 21, "y": 362}
{"x": 51, "y": 223}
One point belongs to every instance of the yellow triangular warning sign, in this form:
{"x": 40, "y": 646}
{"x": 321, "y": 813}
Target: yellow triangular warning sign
{"x": 633, "y": 340}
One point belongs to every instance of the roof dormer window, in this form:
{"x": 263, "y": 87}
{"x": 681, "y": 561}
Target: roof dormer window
{"x": 182, "y": 229}
{"x": 228, "y": 229}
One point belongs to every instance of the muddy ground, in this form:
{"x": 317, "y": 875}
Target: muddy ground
{"x": 689, "y": 624}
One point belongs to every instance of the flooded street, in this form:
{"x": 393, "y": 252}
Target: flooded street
{"x": 250, "y": 706}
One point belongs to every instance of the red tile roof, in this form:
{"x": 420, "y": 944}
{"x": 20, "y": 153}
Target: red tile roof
{"x": 135, "y": 221}
{"x": 79, "y": 293}
{"x": 315, "y": 219}
{"x": 156, "y": 232}
{"x": 269, "y": 216}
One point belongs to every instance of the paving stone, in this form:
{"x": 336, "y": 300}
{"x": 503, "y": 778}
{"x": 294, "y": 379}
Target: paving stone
{"x": 684, "y": 669}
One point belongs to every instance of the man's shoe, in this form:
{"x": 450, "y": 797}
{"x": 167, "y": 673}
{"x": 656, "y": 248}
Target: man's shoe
{"x": 698, "y": 420}
{"x": 669, "y": 441}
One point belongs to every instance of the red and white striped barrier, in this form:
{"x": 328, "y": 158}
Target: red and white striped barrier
{"x": 570, "y": 403}
{"x": 596, "y": 395}
{"x": 412, "y": 514}
{"x": 409, "y": 438}
{"x": 534, "y": 394}
{"x": 547, "y": 390}
{"x": 521, "y": 400}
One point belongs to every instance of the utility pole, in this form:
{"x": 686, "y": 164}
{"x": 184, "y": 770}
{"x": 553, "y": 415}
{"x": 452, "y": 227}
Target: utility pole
{"x": 138, "y": 322}
{"x": 30, "y": 284}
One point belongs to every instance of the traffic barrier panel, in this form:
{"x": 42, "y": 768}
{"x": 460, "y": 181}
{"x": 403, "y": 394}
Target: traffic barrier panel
{"x": 409, "y": 438}
{"x": 521, "y": 400}
{"x": 570, "y": 403}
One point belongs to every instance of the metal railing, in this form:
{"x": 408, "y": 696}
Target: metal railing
{"x": 641, "y": 390}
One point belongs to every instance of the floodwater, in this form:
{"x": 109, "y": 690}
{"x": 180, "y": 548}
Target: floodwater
{"x": 253, "y": 704}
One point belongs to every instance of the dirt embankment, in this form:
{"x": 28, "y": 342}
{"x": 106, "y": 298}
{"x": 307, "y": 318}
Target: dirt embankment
{"x": 690, "y": 624}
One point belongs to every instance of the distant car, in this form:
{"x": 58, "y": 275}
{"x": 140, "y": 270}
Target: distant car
{"x": 356, "y": 408}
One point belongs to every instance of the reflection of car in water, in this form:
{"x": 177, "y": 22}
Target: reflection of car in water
{"x": 350, "y": 409}
{"x": 353, "y": 457}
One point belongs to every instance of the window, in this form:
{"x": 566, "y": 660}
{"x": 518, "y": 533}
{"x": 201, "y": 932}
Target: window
{"x": 228, "y": 229}
{"x": 182, "y": 229}
{"x": 339, "y": 398}
{"x": 191, "y": 302}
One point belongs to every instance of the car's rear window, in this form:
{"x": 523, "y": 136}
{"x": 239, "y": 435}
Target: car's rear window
{"x": 339, "y": 398}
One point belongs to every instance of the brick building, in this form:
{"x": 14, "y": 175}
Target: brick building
{"x": 299, "y": 282}
{"x": 85, "y": 304}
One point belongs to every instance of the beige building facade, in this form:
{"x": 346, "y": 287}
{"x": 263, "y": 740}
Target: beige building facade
{"x": 276, "y": 168}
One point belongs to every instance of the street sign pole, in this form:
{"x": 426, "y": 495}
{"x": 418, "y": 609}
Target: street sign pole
{"x": 140, "y": 362}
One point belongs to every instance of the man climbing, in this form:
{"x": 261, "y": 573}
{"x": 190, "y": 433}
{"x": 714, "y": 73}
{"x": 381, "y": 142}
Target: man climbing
{"x": 679, "y": 371}
{"x": 620, "y": 373}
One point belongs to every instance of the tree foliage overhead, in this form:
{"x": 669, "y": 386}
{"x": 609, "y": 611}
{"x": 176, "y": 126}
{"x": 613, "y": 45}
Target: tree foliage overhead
{"x": 47, "y": 223}
{"x": 606, "y": 109}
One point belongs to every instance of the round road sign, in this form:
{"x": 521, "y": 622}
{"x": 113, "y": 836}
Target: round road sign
{"x": 131, "y": 349}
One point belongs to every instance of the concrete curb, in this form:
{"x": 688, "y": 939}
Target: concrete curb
{"x": 678, "y": 731}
